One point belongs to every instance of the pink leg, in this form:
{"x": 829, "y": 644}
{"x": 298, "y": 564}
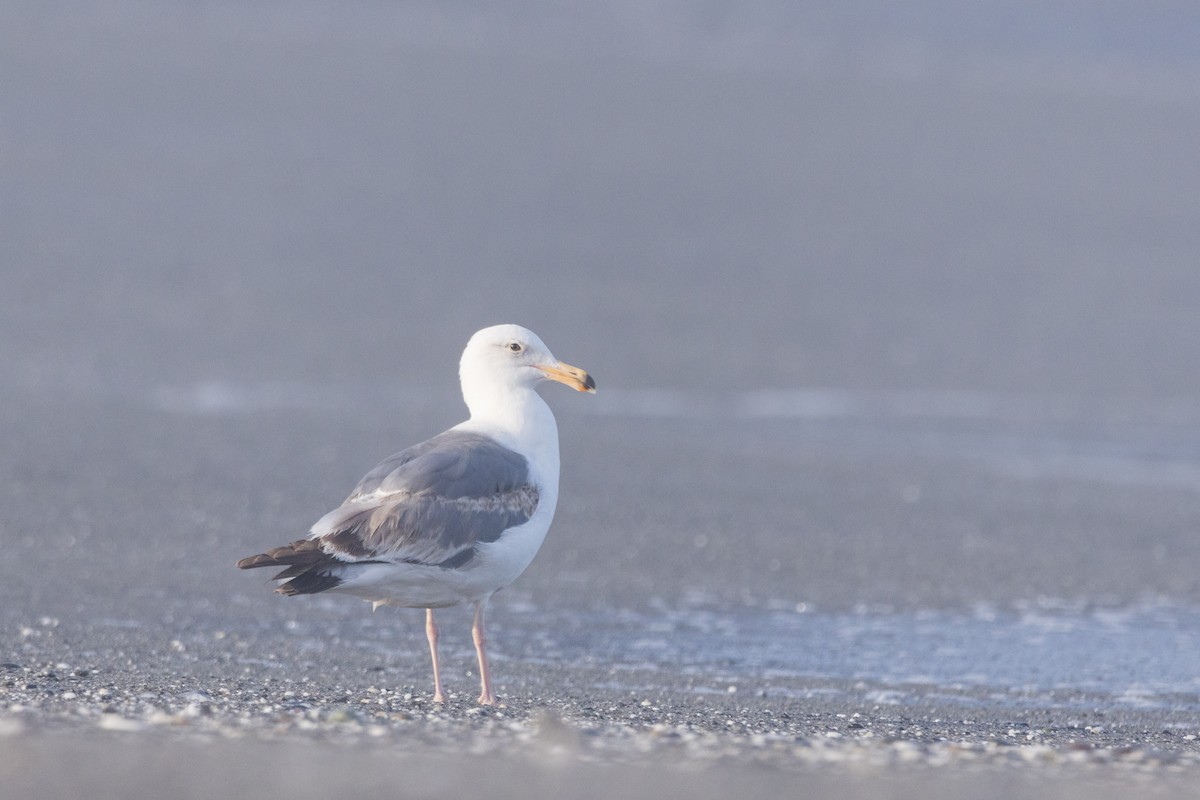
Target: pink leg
{"x": 486, "y": 696}
{"x": 431, "y": 633}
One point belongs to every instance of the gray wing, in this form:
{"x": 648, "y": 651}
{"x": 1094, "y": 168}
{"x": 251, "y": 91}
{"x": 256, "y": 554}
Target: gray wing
{"x": 452, "y": 464}
{"x": 432, "y": 503}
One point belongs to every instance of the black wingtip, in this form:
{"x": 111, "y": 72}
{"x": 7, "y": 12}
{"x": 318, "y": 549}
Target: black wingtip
{"x": 308, "y": 583}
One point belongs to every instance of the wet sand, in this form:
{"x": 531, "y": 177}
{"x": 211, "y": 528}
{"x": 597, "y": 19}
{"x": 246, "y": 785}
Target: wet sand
{"x": 239, "y": 736}
{"x": 191, "y": 720}
{"x": 108, "y": 770}
{"x": 613, "y": 670}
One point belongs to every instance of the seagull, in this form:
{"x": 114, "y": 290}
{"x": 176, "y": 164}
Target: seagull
{"x": 457, "y": 517}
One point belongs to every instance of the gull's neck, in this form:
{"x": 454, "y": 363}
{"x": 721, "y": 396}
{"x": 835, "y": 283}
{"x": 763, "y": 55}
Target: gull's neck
{"x": 518, "y": 417}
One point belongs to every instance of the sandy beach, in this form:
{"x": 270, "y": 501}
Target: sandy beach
{"x": 890, "y": 487}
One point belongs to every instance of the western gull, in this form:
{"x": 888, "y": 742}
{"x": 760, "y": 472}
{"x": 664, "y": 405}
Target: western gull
{"x": 457, "y": 517}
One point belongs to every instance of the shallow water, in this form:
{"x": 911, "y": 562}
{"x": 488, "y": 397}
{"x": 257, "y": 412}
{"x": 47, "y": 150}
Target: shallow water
{"x": 1142, "y": 441}
{"x": 1046, "y": 656}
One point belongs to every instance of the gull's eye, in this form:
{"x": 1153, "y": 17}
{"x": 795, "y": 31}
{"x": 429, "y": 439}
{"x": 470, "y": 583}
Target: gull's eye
{"x": 515, "y": 347}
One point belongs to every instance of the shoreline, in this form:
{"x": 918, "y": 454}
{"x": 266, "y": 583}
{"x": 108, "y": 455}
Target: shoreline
{"x": 97, "y": 720}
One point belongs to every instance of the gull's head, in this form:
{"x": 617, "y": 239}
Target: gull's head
{"x": 505, "y": 357}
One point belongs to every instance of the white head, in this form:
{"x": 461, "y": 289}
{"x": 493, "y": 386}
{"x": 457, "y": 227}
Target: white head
{"x": 505, "y": 358}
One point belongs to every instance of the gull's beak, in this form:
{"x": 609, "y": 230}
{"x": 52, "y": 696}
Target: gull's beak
{"x": 574, "y": 377}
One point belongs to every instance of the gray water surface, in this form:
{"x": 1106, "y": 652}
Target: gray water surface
{"x": 1142, "y": 657}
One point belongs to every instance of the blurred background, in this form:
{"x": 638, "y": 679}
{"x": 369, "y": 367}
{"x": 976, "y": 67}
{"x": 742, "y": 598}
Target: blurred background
{"x": 887, "y": 303}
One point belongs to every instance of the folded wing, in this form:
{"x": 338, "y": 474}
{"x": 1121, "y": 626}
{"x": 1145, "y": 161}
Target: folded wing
{"x": 431, "y": 504}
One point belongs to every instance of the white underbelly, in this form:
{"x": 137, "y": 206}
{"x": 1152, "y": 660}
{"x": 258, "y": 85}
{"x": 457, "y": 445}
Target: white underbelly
{"x": 494, "y": 566}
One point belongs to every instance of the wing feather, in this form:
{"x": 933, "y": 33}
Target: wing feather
{"x": 430, "y": 504}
